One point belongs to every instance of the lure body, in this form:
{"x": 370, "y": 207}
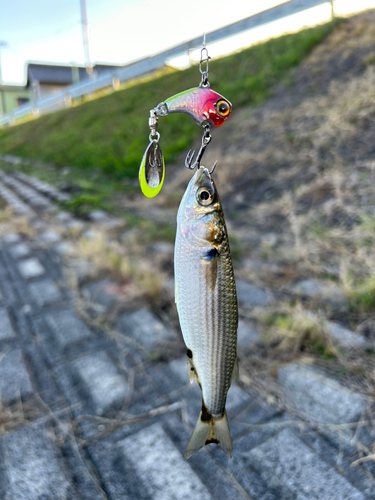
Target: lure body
{"x": 202, "y": 104}
{"x": 207, "y": 306}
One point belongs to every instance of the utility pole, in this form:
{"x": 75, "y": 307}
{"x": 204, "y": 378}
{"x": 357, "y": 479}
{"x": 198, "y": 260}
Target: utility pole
{"x": 75, "y": 72}
{"x": 2, "y": 45}
{"x": 85, "y": 34}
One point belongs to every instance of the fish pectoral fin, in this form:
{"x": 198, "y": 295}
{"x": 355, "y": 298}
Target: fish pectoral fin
{"x": 215, "y": 430}
{"x": 235, "y": 372}
{"x": 192, "y": 372}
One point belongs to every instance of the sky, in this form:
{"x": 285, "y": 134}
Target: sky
{"x": 124, "y": 30}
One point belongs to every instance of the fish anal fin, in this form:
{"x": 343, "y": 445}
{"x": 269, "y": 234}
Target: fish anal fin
{"x": 210, "y": 430}
{"x": 235, "y": 372}
{"x": 192, "y": 371}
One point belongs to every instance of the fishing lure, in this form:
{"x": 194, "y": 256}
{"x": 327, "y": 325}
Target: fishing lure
{"x": 207, "y": 108}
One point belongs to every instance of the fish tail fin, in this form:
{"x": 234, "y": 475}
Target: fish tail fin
{"x": 198, "y": 438}
{"x": 222, "y": 433}
{"x": 211, "y": 430}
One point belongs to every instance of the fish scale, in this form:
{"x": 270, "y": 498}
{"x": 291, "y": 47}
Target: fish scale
{"x": 206, "y": 297}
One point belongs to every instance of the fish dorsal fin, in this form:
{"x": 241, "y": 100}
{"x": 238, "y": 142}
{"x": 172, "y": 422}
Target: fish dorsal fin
{"x": 235, "y": 372}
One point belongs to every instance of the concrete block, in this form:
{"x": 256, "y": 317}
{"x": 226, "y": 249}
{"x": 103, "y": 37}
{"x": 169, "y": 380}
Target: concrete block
{"x": 6, "y": 329}
{"x": 247, "y": 334}
{"x": 32, "y": 467}
{"x": 66, "y": 328}
{"x": 250, "y": 295}
{"x": 104, "y": 293}
{"x": 19, "y": 251}
{"x": 318, "y": 396}
{"x": 49, "y": 237}
{"x": 44, "y": 292}
{"x": 65, "y": 248}
{"x": 145, "y": 328}
{"x": 105, "y": 386}
{"x": 160, "y": 466}
{"x": 31, "y": 268}
{"x": 14, "y": 376}
{"x": 286, "y": 464}
{"x": 315, "y": 289}
{"x": 12, "y": 238}
{"x": 345, "y": 337}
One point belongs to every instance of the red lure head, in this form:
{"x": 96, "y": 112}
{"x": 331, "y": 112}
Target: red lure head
{"x": 202, "y": 104}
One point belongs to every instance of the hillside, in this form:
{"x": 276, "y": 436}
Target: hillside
{"x": 110, "y": 133}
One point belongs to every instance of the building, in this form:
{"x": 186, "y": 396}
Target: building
{"x": 43, "y": 80}
{"x": 13, "y": 96}
{"x": 46, "y": 79}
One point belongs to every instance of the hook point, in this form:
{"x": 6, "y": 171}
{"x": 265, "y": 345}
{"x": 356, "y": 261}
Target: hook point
{"x": 213, "y": 167}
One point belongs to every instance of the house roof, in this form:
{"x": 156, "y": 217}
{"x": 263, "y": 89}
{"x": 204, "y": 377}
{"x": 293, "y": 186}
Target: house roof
{"x": 13, "y": 88}
{"x": 60, "y": 74}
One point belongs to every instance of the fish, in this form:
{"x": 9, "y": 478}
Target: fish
{"x": 206, "y": 300}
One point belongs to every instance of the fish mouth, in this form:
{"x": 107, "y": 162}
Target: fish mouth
{"x": 204, "y": 178}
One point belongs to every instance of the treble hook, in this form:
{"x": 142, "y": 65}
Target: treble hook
{"x": 206, "y": 139}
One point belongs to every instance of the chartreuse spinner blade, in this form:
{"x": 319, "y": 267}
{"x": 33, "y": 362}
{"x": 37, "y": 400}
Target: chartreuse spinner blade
{"x": 152, "y": 169}
{"x": 151, "y": 173}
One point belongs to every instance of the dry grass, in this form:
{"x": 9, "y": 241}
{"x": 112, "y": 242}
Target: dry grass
{"x": 12, "y": 223}
{"x": 293, "y": 329}
{"x": 324, "y": 219}
{"x": 126, "y": 263}
{"x": 103, "y": 255}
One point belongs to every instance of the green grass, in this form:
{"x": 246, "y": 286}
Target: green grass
{"x": 362, "y": 296}
{"x": 110, "y": 134}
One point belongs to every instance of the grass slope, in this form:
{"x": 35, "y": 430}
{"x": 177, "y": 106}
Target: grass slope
{"x": 110, "y": 134}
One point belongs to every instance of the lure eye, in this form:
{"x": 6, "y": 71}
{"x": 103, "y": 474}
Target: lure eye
{"x": 205, "y": 196}
{"x": 223, "y": 108}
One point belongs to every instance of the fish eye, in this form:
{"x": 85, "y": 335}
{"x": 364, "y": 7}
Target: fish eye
{"x": 205, "y": 196}
{"x": 223, "y": 108}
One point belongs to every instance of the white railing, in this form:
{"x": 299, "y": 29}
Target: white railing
{"x": 136, "y": 69}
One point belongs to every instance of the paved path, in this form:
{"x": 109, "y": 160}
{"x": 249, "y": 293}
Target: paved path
{"x": 87, "y": 413}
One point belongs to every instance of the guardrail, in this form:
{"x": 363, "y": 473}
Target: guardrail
{"x": 149, "y": 64}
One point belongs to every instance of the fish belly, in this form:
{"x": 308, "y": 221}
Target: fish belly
{"x": 207, "y": 308}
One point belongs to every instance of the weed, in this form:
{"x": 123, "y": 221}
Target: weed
{"x": 362, "y": 296}
{"x": 83, "y": 204}
{"x": 369, "y": 59}
{"x": 296, "y": 329}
